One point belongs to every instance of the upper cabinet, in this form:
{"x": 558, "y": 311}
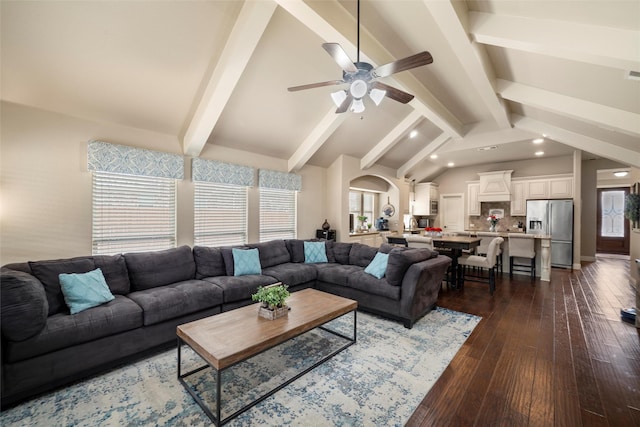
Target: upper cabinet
{"x": 518, "y": 198}
{"x": 425, "y": 201}
{"x": 537, "y": 189}
{"x": 473, "y": 203}
{"x": 561, "y": 188}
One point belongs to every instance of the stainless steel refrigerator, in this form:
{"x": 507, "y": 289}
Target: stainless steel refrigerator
{"x": 555, "y": 218}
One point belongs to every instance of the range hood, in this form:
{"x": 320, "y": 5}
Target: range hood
{"x": 495, "y": 186}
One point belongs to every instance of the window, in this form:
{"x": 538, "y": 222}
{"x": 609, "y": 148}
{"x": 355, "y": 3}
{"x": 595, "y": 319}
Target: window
{"x": 220, "y": 214}
{"x": 132, "y": 213}
{"x": 361, "y": 203}
{"x": 277, "y": 214}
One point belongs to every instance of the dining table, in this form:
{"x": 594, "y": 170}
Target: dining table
{"x": 455, "y": 244}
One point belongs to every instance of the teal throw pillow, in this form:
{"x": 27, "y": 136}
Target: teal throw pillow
{"x": 378, "y": 265}
{"x": 246, "y": 261}
{"x": 84, "y": 290}
{"x": 315, "y": 252}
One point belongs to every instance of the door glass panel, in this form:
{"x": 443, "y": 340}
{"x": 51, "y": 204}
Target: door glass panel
{"x": 612, "y": 214}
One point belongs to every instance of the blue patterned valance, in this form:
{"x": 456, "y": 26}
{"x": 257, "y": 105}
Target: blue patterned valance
{"x": 279, "y": 180}
{"x": 222, "y": 173}
{"x": 105, "y": 157}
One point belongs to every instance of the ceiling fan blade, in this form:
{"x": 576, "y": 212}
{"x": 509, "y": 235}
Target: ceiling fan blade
{"x": 340, "y": 56}
{"x": 413, "y": 61}
{"x": 393, "y": 93}
{"x": 314, "y": 85}
{"x": 345, "y": 104}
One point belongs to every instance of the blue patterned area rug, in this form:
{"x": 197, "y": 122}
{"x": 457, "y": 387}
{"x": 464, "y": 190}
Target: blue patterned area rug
{"x": 380, "y": 380}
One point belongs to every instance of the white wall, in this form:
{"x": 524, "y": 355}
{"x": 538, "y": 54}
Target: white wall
{"x": 45, "y": 188}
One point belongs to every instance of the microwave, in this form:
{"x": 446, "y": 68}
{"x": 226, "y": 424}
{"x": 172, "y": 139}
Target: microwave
{"x": 433, "y": 210}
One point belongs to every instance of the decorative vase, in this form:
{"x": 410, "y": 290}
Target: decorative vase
{"x": 492, "y": 228}
{"x": 325, "y": 225}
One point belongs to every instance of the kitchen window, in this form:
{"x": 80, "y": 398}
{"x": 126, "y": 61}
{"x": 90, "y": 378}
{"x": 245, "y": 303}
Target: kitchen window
{"x": 362, "y": 203}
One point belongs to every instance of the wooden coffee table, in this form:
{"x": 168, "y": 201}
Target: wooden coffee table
{"x": 228, "y": 338}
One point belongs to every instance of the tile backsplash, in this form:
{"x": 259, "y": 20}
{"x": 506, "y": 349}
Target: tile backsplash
{"x": 508, "y": 223}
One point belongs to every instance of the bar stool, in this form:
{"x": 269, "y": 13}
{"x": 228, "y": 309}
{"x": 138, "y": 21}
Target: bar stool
{"x": 488, "y": 262}
{"x": 522, "y": 246}
{"x": 487, "y": 237}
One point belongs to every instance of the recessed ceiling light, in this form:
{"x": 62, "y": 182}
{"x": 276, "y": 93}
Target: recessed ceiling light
{"x": 539, "y": 153}
{"x": 492, "y": 147}
{"x": 450, "y": 164}
{"x": 620, "y": 174}
{"x": 538, "y": 141}
{"x": 434, "y": 156}
{"x": 413, "y": 134}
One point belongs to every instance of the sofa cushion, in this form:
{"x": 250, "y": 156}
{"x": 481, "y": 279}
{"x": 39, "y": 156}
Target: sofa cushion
{"x": 209, "y": 262}
{"x": 177, "y": 299}
{"x": 82, "y": 291}
{"x": 372, "y": 285}
{"x": 341, "y": 252}
{"x": 23, "y": 305}
{"x": 114, "y": 269}
{"x": 227, "y": 256}
{"x": 315, "y": 252}
{"x": 296, "y": 249}
{"x": 160, "y": 268}
{"x": 65, "y": 330}
{"x": 48, "y": 273}
{"x": 400, "y": 259}
{"x": 292, "y": 274}
{"x": 361, "y": 254}
{"x": 378, "y": 266}
{"x": 337, "y": 274}
{"x": 240, "y": 288}
{"x": 246, "y": 262}
{"x": 272, "y": 253}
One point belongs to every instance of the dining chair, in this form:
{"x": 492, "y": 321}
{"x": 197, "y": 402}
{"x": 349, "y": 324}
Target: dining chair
{"x": 522, "y": 246}
{"x": 418, "y": 241}
{"x": 487, "y": 262}
{"x": 487, "y": 237}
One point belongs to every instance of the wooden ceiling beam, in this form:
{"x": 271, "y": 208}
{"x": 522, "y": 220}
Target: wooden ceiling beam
{"x": 243, "y": 40}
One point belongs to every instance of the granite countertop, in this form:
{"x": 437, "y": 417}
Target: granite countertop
{"x": 364, "y": 233}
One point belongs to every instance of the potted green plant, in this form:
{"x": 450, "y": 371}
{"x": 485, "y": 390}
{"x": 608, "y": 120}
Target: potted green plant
{"x": 273, "y": 299}
{"x": 363, "y": 221}
{"x": 632, "y": 208}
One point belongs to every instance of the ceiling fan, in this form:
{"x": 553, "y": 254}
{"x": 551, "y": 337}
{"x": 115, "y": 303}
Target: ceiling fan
{"x": 361, "y": 77}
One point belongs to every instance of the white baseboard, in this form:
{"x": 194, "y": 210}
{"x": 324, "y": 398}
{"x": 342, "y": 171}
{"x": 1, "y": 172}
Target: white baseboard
{"x": 578, "y": 266}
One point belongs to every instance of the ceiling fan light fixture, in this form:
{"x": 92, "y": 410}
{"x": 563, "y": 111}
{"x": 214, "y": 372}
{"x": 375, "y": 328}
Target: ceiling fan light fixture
{"x": 357, "y": 106}
{"x": 358, "y": 89}
{"x": 339, "y": 97}
{"x": 377, "y": 95}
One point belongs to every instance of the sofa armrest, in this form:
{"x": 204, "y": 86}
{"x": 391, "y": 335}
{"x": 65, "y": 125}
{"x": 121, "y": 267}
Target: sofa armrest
{"x": 421, "y": 285}
{"x": 24, "y": 306}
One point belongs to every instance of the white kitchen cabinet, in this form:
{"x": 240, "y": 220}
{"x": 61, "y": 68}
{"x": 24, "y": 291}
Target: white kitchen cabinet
{"x": 425, "y": 199}
{"x": 473, "y": 203}
{"x": 518, "y": 198}
{"x": 561, "y": 188}
{"x": 537, "y": 189}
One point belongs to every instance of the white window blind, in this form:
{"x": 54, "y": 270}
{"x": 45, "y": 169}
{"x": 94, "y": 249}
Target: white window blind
{"x": 220, "y": 214}
{"x": 277, "y": 214}
{"x": 132, "y": 213}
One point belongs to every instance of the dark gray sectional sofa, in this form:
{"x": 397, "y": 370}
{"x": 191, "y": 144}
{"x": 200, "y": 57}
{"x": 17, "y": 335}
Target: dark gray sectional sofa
{"x": 43, "y": 346}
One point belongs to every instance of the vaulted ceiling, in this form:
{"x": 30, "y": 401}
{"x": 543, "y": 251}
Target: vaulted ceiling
{"x": 216, "y": 73}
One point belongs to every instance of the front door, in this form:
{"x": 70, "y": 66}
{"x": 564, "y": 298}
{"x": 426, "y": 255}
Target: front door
{"x": 613, "y": 227}
{"x": 452, "y": 211}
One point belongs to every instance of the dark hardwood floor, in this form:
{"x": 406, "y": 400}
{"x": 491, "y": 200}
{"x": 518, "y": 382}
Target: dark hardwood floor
{"x": 544, "y": 354}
